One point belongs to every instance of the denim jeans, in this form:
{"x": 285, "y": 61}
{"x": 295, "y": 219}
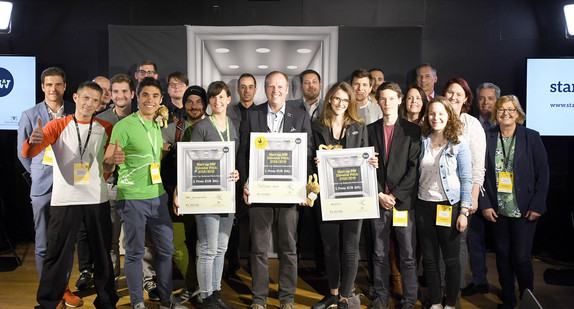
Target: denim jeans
{"x": 212, "y": 236}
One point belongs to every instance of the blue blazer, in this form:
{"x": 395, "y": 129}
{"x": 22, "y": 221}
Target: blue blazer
{"x": 531, "y": 172}
{"x": 41, "y": 174}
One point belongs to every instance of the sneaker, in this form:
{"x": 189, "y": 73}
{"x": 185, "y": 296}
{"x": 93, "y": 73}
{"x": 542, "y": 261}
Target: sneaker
{"x": 173, "y": 305}
{"x": 343, "y": 304}
{"x": 85, "y": 280}
{"x": 140, "y": 306}
{"x": 328, "y": 301}
{"x": 72, "y": 300}
{"x": 220, "y": 302}
{"x": 182, "y": 296}
{"x": 379, "y": 303}
{"x": 288, "y": 306}
{"x": 151, "y": 289}
{"x": 472, "y": 289}
{"x": 62, "y": 305}
{"x": 257, "y": 306}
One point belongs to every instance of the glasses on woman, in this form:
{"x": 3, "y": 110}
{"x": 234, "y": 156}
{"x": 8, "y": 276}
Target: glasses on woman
{"x": 338, "y": 100}
{"x": 510, "y": 111}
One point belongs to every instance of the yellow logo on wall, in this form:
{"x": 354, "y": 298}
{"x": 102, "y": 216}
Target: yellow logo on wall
{"x": 260, "y": 142}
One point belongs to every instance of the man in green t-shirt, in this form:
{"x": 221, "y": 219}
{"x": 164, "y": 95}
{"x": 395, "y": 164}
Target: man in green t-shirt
{"x": 141, "y": 200}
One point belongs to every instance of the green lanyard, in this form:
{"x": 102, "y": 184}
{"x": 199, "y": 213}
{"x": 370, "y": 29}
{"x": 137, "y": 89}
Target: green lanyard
{"x": 226, "y": 127}
{"x": 153, "y": 144}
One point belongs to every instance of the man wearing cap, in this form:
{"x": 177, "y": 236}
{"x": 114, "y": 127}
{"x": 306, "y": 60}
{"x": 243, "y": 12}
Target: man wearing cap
{"x": 184, "y": 230}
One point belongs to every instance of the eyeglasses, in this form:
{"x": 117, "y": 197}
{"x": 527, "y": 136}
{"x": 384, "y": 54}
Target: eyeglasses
{"x": 509, "y": 110}
{"x": 142, "y": 72}
{"x": 338, "y": 100}
{"x": 176, "y": 85}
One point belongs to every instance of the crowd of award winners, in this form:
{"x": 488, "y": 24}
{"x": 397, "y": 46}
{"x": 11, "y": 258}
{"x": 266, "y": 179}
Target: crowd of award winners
{"x": 453, "y": 165}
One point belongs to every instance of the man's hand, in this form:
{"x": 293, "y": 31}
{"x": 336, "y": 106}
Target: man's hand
{"x": 489, "y": 214}
{"x": 387, "y": 201}
{"x": 246, "y": 195}
{"x": 37, "y": 135}
{"x": 118, "y": 156}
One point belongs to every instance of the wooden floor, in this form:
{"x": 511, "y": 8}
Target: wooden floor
{"x": 18, "y": 287}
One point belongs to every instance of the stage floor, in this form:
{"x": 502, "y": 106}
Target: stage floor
{"x": 18, "y": 287}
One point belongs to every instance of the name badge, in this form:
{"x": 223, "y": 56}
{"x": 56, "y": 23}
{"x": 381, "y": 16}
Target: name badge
{"x": 505, "y": 182}
{"x": 400, "y": 218}
{"x": 443, "y": 215}
{"x": 48, "y": 156}
{"x": 81, "y": 173}
{"x": 154, "y": 172}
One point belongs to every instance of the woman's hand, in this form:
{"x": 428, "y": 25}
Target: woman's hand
{"x": 316, "y": 162}
{"x": 532, "y": 215}
{"x": 246, "y": 195}
{"x": 489, "y": 214}
{"x": 374, "y": 160}
{"x": 461, "y": 223}
{"x": 235, "y": 175}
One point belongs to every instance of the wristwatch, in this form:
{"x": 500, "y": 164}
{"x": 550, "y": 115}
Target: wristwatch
{"x": 465, "y": 213}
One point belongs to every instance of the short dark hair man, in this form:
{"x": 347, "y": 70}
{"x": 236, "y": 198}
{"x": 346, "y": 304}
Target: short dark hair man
{"x": 177, "y": 83}
{"x": 362, "y": 83}
{"x": 104, "y": 82}
{"x": 311, "y": 86}
{"x": 79, "y": 196}
{"x": 378, "y": 78}
{"x": 426, "y": 78}
{"x": 273, "y": 116}
{"x": 142, "y": 201}
{"x": 398, "y": 143}
{"x": 246, "y": 89}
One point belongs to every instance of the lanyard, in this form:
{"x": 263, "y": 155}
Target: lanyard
{"x": 82, "y": 151}
{"x": 153, "y": 144}
{"x": 506, "y": 158}
{"x": 226, "y": 127}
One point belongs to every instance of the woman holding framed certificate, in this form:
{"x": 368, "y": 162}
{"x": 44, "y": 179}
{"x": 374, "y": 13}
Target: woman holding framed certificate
{"x": 213, "y": 230}
{"x": 444, "y": 198}
{"x": 340, "y": 125}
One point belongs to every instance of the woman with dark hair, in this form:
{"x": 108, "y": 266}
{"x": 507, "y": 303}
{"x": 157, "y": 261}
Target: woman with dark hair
{"x": 457, "y": 91}
{"x": 213, "y": 229}
{"x": 414, "y": 105}
{"x": 340, "y": 125}
{"x": 444, "y": 197}
{"x": 516, "y": 185}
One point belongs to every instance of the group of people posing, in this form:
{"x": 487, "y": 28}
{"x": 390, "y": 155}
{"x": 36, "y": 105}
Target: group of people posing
{"x": 450, "y": 174}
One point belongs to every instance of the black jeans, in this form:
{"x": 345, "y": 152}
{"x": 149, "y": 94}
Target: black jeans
{"x": 341, "y": 246}
{"x": 432, "y": 239}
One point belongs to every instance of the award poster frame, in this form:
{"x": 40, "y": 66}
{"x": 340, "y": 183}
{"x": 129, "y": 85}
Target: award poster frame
{"x": 348, "y": 184}
{"x": 204, "y": 185}
{"x": 277, "y": 168}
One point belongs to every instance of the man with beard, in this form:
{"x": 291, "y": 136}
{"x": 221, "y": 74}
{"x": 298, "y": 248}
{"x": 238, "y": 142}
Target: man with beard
{"x": 246, "y": 89}
{"x": 195, "y": 103}
{"x": 311, "y": 86}
{"x": 104, "y": 83}
{"x": 378, "y": 79}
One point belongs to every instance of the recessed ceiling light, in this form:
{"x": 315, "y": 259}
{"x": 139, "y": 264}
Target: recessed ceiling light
{"x": 303, "y": 50}
{"x": 221, "y": 50}
{"x": 263, "y": 67}
{"x": 233, "y": 66}
{"x": 292, "y": 67}
{"x": 263, "y": 50}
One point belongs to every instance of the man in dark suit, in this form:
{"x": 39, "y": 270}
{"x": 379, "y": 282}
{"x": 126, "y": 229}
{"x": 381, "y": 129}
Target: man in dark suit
{"x": 398, "y": 143}
{"x": 311, "y": 86}
{"x": 274, "y": 116}
{"x": 53, "y": 81}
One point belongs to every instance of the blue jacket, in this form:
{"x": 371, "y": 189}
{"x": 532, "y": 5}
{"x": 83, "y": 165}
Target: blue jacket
{"x": 455, "y": 170}
{"x": 531, "y": 172}
{"x": 41, "y": 174}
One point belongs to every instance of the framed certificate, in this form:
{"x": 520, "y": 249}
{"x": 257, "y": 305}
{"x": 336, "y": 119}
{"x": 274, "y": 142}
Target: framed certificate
{"x": 204, "y": 185}
{"x": 348, "y": 184}
{"x": 277, "y": 167}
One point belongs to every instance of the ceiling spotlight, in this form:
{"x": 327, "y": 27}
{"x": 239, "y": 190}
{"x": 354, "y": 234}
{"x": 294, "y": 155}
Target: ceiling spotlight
{"x": 263, "y": 50}
{"x": 292, "y": 67}
{"x": 5, "y": 16}
{"x": 263, "y": 67}
{"x": 303, "y": 50}
{"x": 233, "y": 66}
{"x": 222, "y": 50}
{"x": 569, "y": 15}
